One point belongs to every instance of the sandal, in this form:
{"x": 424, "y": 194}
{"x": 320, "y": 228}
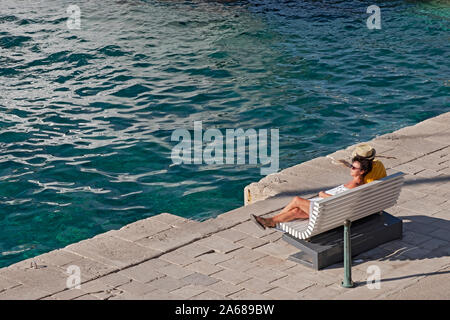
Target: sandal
{"x": 259, "y": 224}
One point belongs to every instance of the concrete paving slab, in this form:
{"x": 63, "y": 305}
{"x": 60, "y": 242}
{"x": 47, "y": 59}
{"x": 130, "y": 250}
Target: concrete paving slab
{"x": 137, "y": 288}
{"x": 275, "y": 263}
{"x": 293, "y": 282}
{"x": 419, "y": 206}
{"x": 441, "y": 252}
{"x": 441, "y": 137}
{"x": 6, "y": 284}
{"x": 112, "y": 280}
{"x": 200, "y": 279}
{"x": 208, "y": 227}
{"x": 215, "y": 257}
{"x": 57, "y": 258}
{"x": 168, "y": 283}
{"x": 410, "y": 195}
{"x": 169, "y": 240}
{"x": 251, "y": 229}
{"x": 418, "y": 227}
{"x": 409, "y": 168}
{"x": 170, "y": 219}
{"x": 176, "y": 271}
{"x": 257, "y": 285}
{"x": 442, "y": 215}
{"x": 441, "y": 233}
{"x": 281, "y": 294}
{"x": 434, "y": 244}
{"x": 122, "y": 295}
{"x": 247, "y": 255}
{"x": 415, "y": 146}
{"x": 232, "y": 276}
{"x": 225, "y": 288}
{"x": 219, "y": 244}
{"x": 99, "y": 289}
{"x": 265, "y": 274}
{"x": 429, "y": 173}
{"x": 252, "y": 242}
{"x": 142, "y": 272}
{"x": 429, "y": 288}
{"x": 49, "y": 279}
{"x": 319, "y": 292}
{"x": 161, "y": 295}
{"x": 195, "y": 250}
{"x": 204, "y": 268}
{"x": 23, "y": 292}
{"x": 400, "y": 278}
{"x": 209, "y": 295}
{"x": 178, "y": 258}
{"x": 273, "y": 237}
{"x": 277, "y": 250}
{"x": 189, "y": 291}
{"x": 313, "y": 276}
{"x": 430, "y": 161}
{"x": 141, "y": 229}
{"x": 87, "y": 297}
{"x": 113, "y": 251}
{"x": 89, "y": 269}
{"x": 436, "y": 199}
{"x": 422, "y": 130}
{"x": 248, "y": 295}
{"x": 232, "y": 235}
{"x": 361, "y": 292}
{"x": 70, "y": 294}
{"x": 236, "y": 264}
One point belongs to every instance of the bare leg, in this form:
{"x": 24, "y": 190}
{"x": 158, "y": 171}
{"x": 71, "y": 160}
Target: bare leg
{"x": 294, "y": 213}
{"x": 298, "y": 208}
{"x": 297, "y": 202}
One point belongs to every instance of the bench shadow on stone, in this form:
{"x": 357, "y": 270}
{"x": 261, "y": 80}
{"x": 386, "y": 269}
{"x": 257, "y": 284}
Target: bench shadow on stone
{"x": 418, "y": 241}
{"x": 410, "y": 276}
{"x": 414, "y": 245}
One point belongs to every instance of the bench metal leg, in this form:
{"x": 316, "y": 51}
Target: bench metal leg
{"x": 347, "y": 283}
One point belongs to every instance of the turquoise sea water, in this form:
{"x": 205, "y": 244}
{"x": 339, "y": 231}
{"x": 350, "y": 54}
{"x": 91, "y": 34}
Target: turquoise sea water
{"x": 86, "y": 115}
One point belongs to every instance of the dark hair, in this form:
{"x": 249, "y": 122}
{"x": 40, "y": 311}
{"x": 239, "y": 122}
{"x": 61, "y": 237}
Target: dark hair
{"x": 366, "y": 164}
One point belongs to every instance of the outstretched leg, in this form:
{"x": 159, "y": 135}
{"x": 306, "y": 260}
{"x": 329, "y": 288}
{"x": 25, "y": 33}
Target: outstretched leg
{"x": 294, "y": 213}
{"x": 298, "y": 208}
{"x": 297, "y": 202}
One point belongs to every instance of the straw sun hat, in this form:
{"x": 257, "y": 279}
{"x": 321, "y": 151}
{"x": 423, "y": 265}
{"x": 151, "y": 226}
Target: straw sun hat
{"x": 364, "y": 150}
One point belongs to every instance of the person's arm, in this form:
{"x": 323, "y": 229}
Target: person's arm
{"x": 323, "y": 194}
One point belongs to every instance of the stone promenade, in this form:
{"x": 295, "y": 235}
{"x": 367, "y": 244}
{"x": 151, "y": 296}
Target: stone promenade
{"x": 169, "y": 257}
